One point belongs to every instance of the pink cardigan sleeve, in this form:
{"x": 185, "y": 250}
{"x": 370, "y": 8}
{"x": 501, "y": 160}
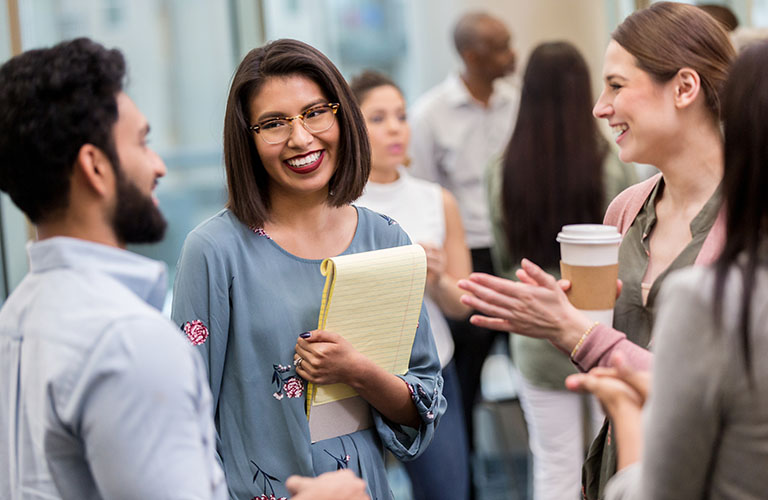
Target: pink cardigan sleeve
{"x": 603, "y": 341}
{"x": 600, "y": 345}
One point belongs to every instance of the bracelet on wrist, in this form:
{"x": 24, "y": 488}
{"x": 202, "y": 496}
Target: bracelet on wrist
{"x": 583, "y": 338}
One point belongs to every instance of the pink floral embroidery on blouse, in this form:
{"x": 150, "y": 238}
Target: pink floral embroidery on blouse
{"x": 196, "y": 332}
{"x": 286, "y": 386}
{"x": 293, "y": 388}
{"x": 260, "y": 231}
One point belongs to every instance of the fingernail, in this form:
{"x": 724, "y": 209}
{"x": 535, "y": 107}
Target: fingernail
{"x": 305, "y": 335}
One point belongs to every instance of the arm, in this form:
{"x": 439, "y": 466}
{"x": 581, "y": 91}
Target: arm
{"x": 423, "y": 383}
{"x": 328, "y": 358}
{"x": 600, "y": 345}
{"x": 146, "y": 424}
{"x": 445, "y": 266}
{"x": 201, "y": 306}
{"x": 622, "y": 391}
{"x": 537, "y": 306}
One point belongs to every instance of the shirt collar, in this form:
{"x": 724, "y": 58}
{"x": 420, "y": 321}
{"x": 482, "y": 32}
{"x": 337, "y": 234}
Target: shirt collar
{"x": 458, "y": 94}
{"x": 145, "y": 277}
{"x": 701, "y": 223}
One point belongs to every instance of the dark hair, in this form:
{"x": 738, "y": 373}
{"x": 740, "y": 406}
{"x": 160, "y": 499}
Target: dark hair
{"x": 745, "y": 180}
{"x": 467, "y": 32}
{"x": 369, "y": 80}
{"x": 54, "y": 101}
{"x": 723, "y": 14}
{"x": 669, "y": 36}
{"x": 247, "y": 180}
{"x": 552, "y": 166}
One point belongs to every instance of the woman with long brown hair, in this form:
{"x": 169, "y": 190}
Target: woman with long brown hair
{"x": 706, "y": 422}
{"x": 557, "y": 169}
{"x": 663, "y": 73}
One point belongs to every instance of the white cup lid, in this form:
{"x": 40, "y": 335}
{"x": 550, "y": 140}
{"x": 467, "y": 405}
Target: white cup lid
{"x": 589, "y": 234}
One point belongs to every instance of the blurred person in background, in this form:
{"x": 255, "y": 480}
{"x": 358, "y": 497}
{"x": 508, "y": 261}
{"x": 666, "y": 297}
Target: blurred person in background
{"x": 557, "y": 169}
{"x": 723, "y": 14}
{"x": 663, "y": 72}
{"x": 458, "y": 127}
{"x": 705, "y": 432}
{"x": 430, "y": 216}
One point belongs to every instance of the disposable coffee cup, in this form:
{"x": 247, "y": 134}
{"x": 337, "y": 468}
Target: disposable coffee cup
{"x": 589, "y": 259}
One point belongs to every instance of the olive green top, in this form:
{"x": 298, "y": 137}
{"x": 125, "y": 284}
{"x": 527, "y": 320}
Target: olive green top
{"x": 630, "y": 316}
{"x": 635, "y": 319}
{"x": 540, "y": 362}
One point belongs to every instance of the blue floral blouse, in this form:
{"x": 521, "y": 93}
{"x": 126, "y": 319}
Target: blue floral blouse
{"x": 243, "y": 301}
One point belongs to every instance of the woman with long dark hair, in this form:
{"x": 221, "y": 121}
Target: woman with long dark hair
{"x": 249, "y": 287}
{"x": 663, "y": 73}
{"x": 706, "y": 425}
{"x": 556, "y": 170}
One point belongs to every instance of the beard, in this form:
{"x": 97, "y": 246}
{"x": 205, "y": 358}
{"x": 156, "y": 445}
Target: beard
{"x": 136, "y": 219}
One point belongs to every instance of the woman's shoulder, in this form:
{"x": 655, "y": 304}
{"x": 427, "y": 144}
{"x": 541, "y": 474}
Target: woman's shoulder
{"x": 695, "y": 286}
{"x": 625, "y": 207}
{"x": 217, "y": 233}
{"x": 379, "y": 230}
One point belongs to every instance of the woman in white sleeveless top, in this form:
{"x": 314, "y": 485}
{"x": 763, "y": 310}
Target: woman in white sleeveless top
{"x": 430, "y": 216}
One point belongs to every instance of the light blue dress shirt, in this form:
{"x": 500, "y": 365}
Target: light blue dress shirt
{"x": 99, "y": 395}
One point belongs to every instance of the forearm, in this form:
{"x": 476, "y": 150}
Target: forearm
{"x": 570, "y": 331}
{"x": 387, "y": 393}
{"x": 628, "y": 429}
{"x": 598, "y": 347}
{"x": 447, "y": 296}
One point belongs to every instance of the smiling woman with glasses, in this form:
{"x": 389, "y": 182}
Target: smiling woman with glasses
{"x": 248, "y": 285}
{"x": 316, "y": 119}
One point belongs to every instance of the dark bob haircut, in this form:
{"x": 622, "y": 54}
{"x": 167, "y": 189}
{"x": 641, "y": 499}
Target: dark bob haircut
{"x": 247, "y": 180}
{"x": 54, "y": 101}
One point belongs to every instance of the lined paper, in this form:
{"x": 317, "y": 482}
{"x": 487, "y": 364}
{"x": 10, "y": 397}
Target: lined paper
{"x": 373, "y": 299}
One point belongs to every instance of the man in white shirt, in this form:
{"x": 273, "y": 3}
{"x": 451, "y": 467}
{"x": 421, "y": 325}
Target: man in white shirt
{"x": 100, "y": 395}
{"x": 457, "y": 128}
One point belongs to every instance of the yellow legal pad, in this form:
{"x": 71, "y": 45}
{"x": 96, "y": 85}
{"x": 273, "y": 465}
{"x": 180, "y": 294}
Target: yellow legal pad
{"x": 374, "y": 300}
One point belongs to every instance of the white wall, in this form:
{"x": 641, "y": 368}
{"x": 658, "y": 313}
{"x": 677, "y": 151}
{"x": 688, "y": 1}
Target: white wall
{"x": 585, "y": 23}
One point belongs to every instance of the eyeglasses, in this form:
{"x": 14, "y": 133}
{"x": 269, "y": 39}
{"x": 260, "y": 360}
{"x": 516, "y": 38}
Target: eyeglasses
{"x": 316, "y": 119}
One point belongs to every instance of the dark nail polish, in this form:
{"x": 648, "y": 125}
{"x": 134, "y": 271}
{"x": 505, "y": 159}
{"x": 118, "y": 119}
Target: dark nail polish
{"x": 305, "y": 335}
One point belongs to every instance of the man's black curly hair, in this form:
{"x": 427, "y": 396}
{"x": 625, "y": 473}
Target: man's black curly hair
{"x": 52, "y": 102}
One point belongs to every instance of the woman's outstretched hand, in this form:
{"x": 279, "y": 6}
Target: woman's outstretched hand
{"x": 535, "y": 306}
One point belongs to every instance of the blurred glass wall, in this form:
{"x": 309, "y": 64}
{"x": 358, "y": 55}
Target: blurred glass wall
{"x": 182, "y": 53}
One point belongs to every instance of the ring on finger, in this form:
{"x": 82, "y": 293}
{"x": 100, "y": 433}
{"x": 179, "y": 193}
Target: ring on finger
{"x": 297, "y": 361}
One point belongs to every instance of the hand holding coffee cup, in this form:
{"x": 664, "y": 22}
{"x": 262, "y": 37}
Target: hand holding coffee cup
{"x": 589, "y": 260}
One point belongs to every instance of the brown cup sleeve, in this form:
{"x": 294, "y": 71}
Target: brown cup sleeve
{"x": 593, "y": 288}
